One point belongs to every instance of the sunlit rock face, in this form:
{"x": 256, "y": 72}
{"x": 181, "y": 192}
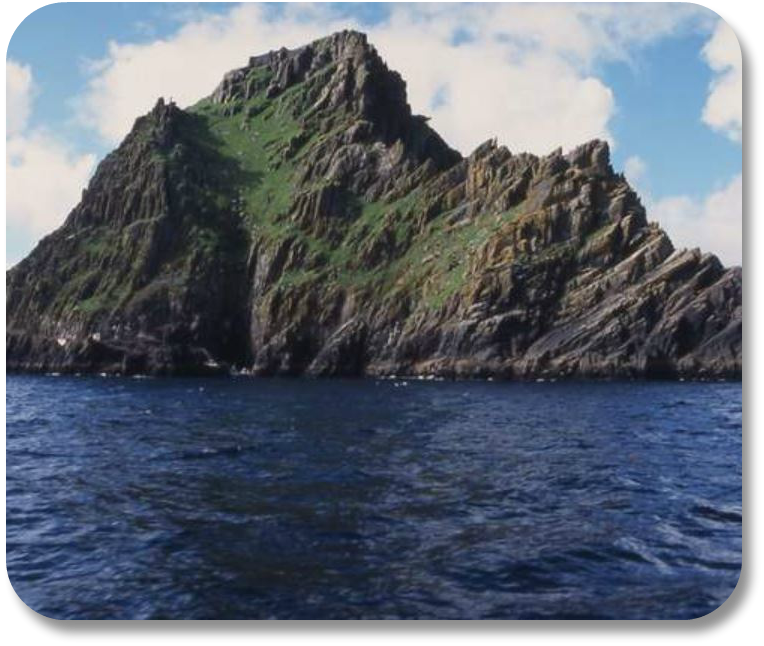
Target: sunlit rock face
{"x": 301, "y": 220}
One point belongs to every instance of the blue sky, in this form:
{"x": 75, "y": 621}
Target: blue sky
{"x": 662, "y": 85}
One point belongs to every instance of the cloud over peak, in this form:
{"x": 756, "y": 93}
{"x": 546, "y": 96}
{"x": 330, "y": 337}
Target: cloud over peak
{"x": 525, "y": 73}
{"x": 521, "y": 72}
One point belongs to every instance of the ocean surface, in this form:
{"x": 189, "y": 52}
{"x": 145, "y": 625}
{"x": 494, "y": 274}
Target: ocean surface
{"x": 246, "y": 498}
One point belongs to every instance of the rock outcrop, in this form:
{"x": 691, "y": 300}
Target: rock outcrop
{"x": 301, "y": 220}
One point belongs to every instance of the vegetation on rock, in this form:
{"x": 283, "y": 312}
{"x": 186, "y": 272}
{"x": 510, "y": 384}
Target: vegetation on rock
{"x": 302, "y": 220}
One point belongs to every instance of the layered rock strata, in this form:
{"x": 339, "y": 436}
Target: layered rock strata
{"x": 301, "y": 220}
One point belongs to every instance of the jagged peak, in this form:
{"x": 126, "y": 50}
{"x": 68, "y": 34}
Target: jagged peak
{"x": 592, "y": 154}
{"x": 486, "y": 148}
{"x": 291, "y": 66}
{"x": 211, "y": 231}
{"x": 163, "y": 107}
{"x": 158, "y": 122}
{"x": 344, "y": 80}
{"x": 341, "y": 44}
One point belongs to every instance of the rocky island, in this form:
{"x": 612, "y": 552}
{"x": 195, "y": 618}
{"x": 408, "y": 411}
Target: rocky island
{"x": 301, "y": 220}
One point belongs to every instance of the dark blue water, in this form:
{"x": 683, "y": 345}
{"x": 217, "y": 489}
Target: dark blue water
{"x": 241, "y": 498}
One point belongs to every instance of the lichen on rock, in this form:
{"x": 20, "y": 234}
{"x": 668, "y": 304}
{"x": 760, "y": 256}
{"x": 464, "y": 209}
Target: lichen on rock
{"x": 301, "y": 219}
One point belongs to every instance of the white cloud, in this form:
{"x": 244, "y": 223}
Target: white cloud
{"x": 530, "y": 102}
{"x": 44, "y": 178}
{"x": 524, "y": 74}
{"x": 19, "y": 90}
{"x": 723, "y": 110}
{"x": 713, "y": 224}
{"x": 185, "y": 66}
{"x": 634, "y": 168}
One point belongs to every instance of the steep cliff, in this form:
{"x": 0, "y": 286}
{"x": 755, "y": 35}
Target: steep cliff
{"x": 301, "y": 220}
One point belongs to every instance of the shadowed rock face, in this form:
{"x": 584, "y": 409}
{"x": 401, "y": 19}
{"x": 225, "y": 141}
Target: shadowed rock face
{"x": 302, "y": 220}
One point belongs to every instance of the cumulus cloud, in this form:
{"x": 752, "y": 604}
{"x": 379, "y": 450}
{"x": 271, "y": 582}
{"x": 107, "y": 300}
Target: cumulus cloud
{"x": 185, "y": 66}
{"x": 520, "y": 72}
{"x": 525, "y": 73}
{"x": 723, "y": 110}
{"x": 713, "y": 224}
{"x": 19, "y": 89}
{"x": 44, "y": 178}
{"x": 530, "y": 102}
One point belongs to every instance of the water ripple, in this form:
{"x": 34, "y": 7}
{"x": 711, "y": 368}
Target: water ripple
{"x": 241, "y": 498}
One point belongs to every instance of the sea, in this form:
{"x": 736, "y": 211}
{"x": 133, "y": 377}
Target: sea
{"x": 246, "y": 498}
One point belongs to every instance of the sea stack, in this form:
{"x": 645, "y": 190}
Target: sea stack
{"x": 301, "y": 220}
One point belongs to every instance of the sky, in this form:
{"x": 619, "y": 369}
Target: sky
{"x": 662, "y": 83}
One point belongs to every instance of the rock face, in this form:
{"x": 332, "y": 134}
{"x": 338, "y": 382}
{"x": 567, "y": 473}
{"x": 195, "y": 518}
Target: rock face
{"x": 302, "y": 220}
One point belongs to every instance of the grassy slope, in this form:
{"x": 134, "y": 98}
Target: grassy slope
{"x": 258, "y": 186}
{"x": 431, "y": 264}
